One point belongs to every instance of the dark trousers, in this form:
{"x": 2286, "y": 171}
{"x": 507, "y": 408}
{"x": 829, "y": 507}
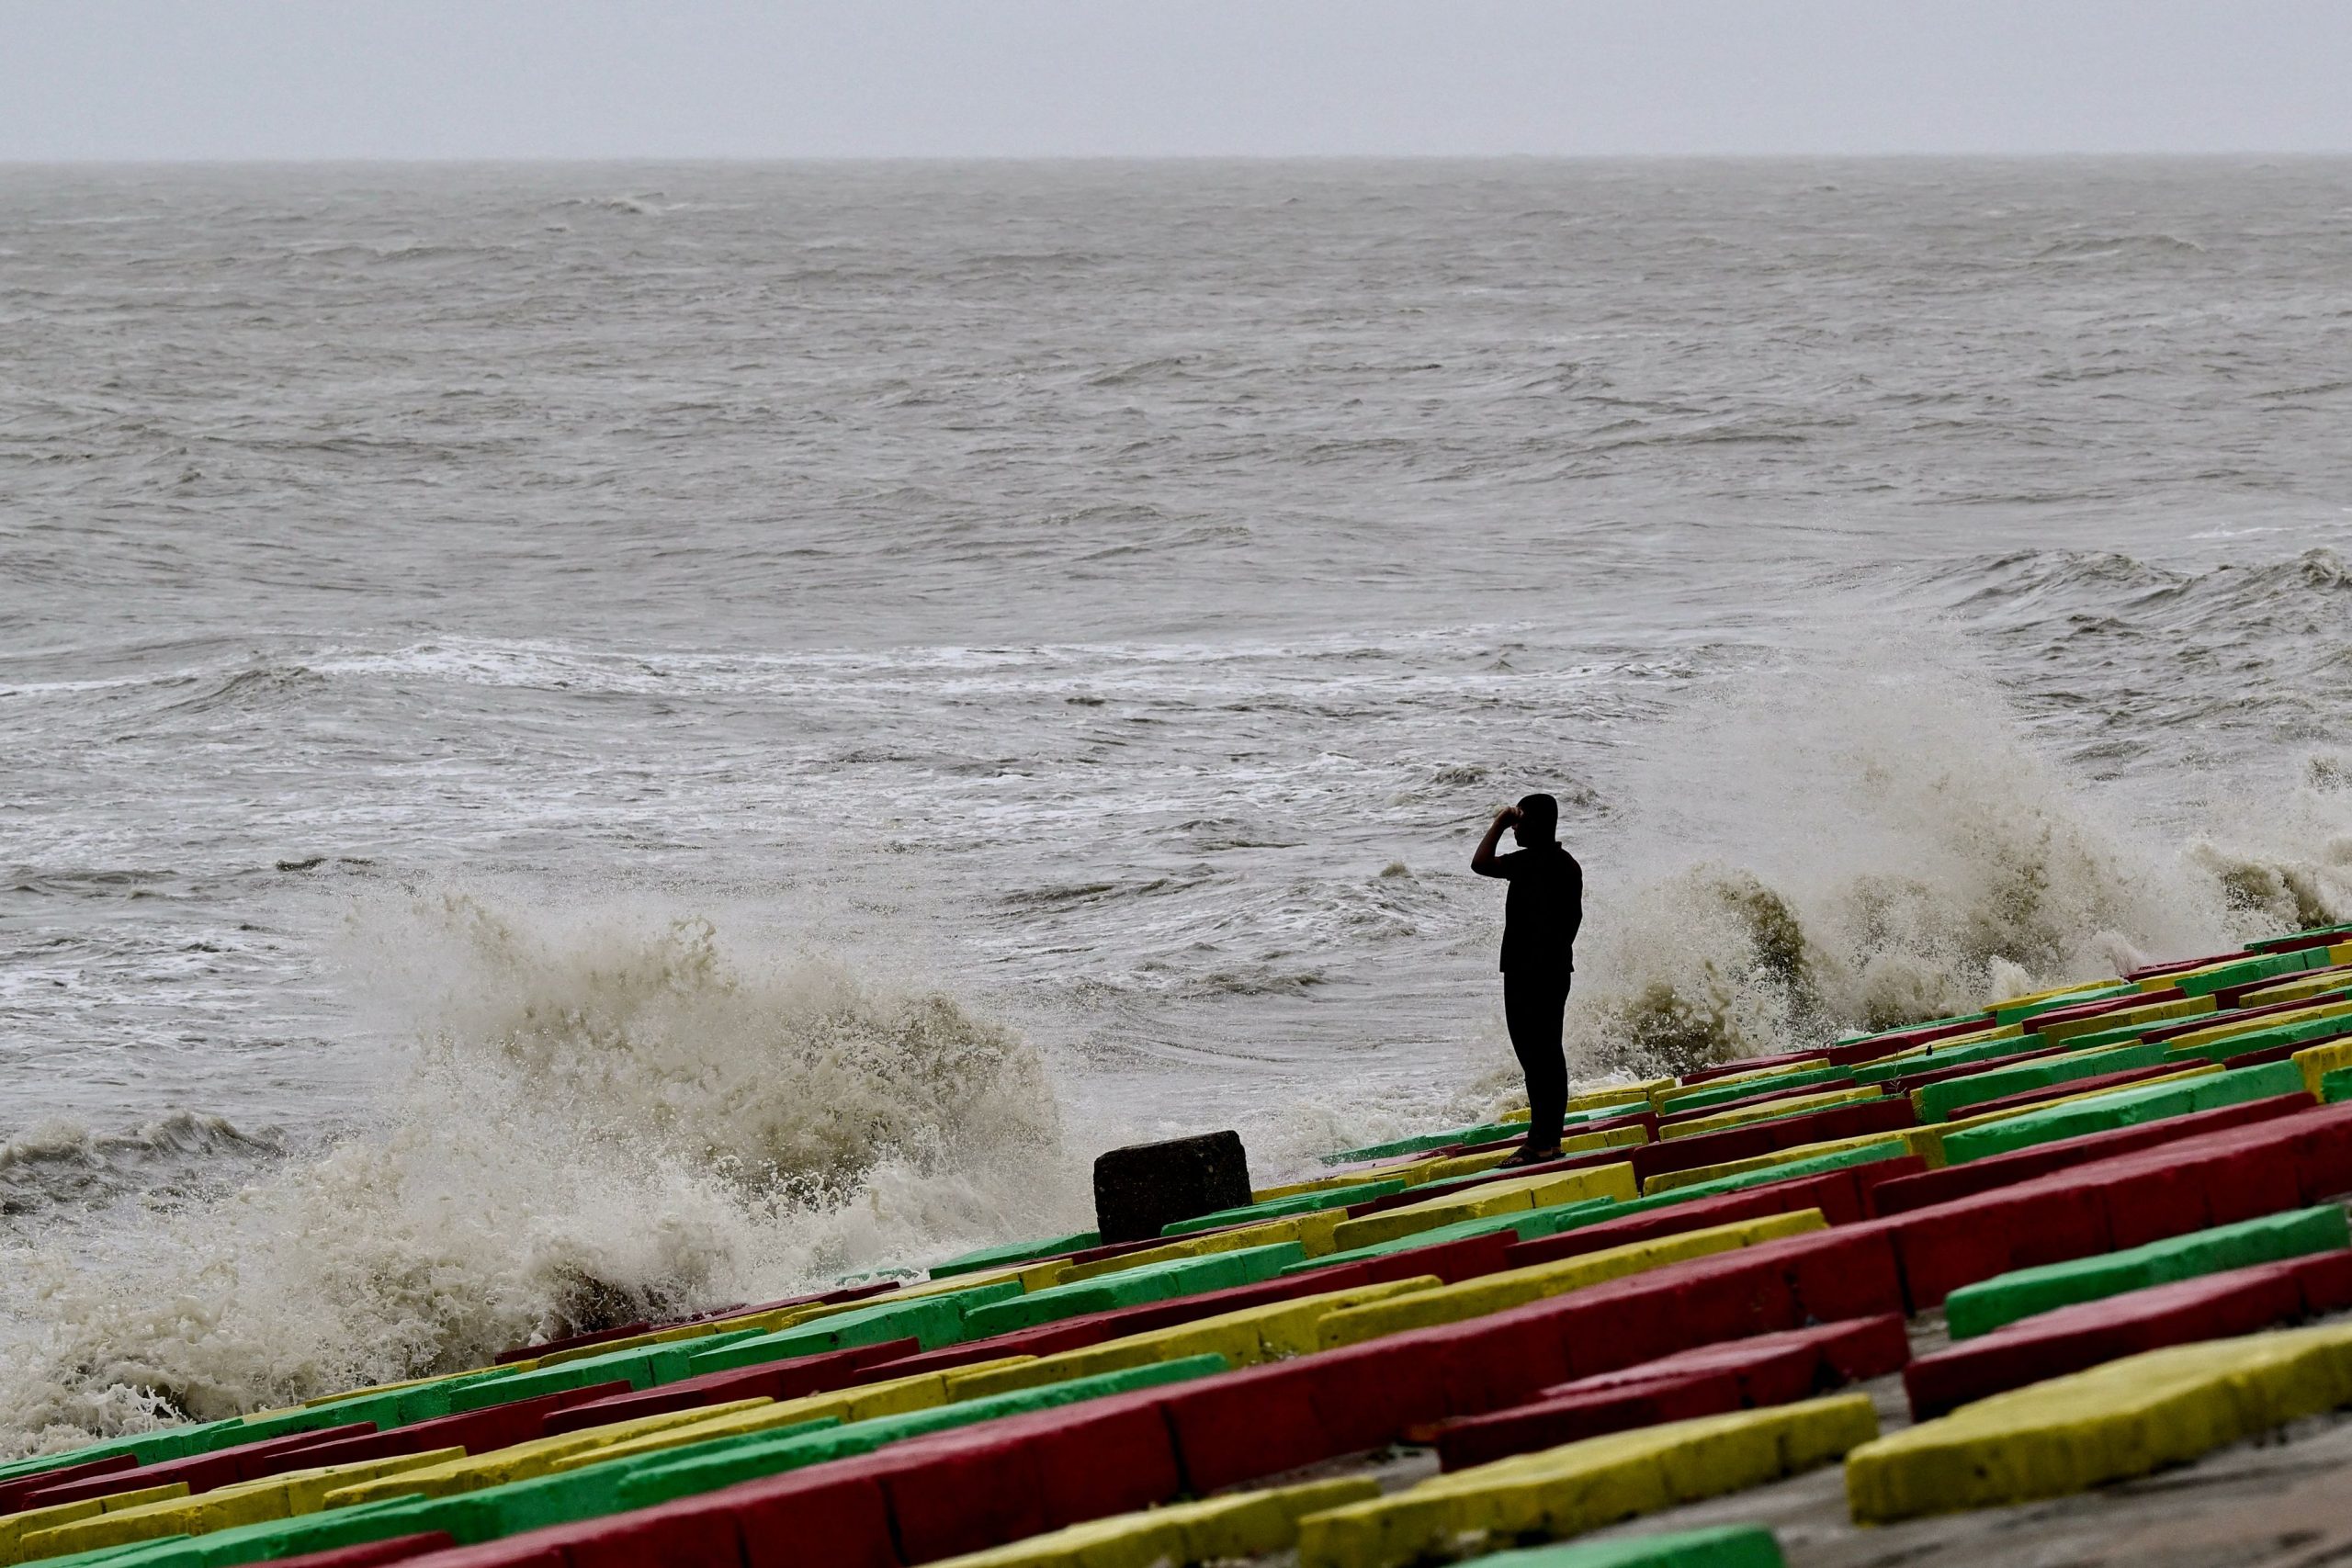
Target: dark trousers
{"x": 1532, "y": 1003}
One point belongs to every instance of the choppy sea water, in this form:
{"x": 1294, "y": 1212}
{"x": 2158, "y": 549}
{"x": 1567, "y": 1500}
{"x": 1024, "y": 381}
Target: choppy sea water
{"x": 583, "y": 738}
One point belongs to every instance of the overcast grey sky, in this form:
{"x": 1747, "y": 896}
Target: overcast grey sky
{"x": 144, "y": 79}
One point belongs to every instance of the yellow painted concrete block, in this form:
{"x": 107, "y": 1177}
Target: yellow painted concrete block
{"x": 1614, "y": 1095}
{"x": 1926, "y": 1140}
{"x": 1795, "y": 1104}
{"x": 1410, "y": 1172}
{"x": 2268, "y": 1021}
{"x": 1247, "y": 1338}
{"x": 227, "y": 1507}
{"x": 2066, "y": 989}
{"x": 251, "y": 1415}
{"x": 1583, "y": 1486}
{"x": 1044, "y": 1276}
{"x": 1670, "y": 1180}
{"x": 1294, "y": 1227}
{"x": 545, "y": 1456}
{"x": 119, "y": 1529}
{"x": 1489, "y": 1198}
{"x": 16, "y": 1527}
{"x": 2294, "y": 989}
{"x": 1605, "y": 1138}
{"x": 306, "y": 1491}
{"x": 1466, "y": 1165}
{"x": 792, "y": 1317}
{"x": 2147, "y": 1012}
{"x": 338, "y": 1398}
{"x": 121, "y": 1523}
{"x": 2316, "y": 1062}
{"x": 1247, "y": 1524}
{"x": 2122, "y": 1419}
{"x": 641, "y": 1341}
{"x": 1487, "y": 1293}
{"x": 1666, "y": 1100}
{"x": 1255, "y": 1524}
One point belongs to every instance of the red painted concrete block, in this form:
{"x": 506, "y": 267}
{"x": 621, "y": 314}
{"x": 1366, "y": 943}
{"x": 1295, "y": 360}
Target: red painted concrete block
{"x": 2148, "y": 1198}
{"x": 2187, "y": 1184}
{"x": 1745, "y": 1102}
{"x": 2322, "y": 1147}
{"x": 1567, "y": 1419}
{"x": 1046, "y": 1340}
{"x": 1412, "y": 1195}
{"x": 1756, "y": 1202}
{"x": 1886, "y": 1045}
{"x": 1491, "y": 1362}
{"x": 686, "y": 1534}
{"x": 1772, "y": 1368}
{"x": 2093, "y": 1085}
{"x": 1452, "y": 1261}
{"x": 791, "y": 1379}
{"x": 1849, "y": 1272}
{"x": 1107, "y": 1456}
{"x": 479, "y": 1431}
{"x": 1367, "y": 1395}
{"x": 1776, "y": 1369}
{"x": 1626, "y": 1322}
{"x": 1919, "y": 1191}
{"x": 1752, "y": 1063}
{"x": 831, "y": 1515}
{"x": 200, "y": 1473}
{"x": 1959, "y": 1243}
{"x": 950, "y": 1498}
{"x": 1930, "y": 1073}
{"x": 1885, "y": 1115}
{"x": 2052, "y": 1343}
{"x": 1247, "y": 1424}
{"x": 13, "y": 1493}
{"x": 2325, "y": 1282}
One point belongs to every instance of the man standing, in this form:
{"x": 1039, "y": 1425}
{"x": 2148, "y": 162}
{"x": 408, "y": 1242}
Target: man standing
{"x": 1541, "y": 915}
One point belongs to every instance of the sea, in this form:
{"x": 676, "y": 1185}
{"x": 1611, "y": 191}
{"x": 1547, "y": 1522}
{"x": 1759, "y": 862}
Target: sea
{"x": 580, "y": 741}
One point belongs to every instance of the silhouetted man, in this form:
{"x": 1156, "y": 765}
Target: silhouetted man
{"x": 1540, "y": 919}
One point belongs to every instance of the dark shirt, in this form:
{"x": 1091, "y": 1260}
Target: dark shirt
{"x": 1544, "y": 909}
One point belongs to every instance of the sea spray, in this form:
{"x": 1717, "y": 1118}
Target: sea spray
{"x": 1889, "y": 850}
{"x": 603, "y": 1116}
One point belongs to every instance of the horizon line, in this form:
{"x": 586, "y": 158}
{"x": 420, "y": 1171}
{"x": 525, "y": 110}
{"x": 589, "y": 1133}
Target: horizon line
{"x": 482, "y": 159}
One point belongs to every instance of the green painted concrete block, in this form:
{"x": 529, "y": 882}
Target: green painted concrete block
{"x": 1013, "y": 1252}
{"x": 1485, "y": 1133}
{"x": 1821, "y": 1078}
{"x": 1950, "y": 1098}
{"x": 1729, "y": 1546}
{"x": 707, "y": 1467}
{"x": 1134, "y": 1287}
{"x": 2127, "y": 1107}
{"x": 1989, "y": 1304}
{"x": 1275, "y": 1207}
{"x": 934, "y": 1321}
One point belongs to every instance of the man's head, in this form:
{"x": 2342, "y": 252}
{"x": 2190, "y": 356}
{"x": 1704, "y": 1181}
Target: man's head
{"x": 1539, "y": 820}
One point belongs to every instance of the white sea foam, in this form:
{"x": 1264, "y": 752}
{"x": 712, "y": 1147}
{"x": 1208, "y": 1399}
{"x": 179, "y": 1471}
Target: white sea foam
{"x": 1887, "y": 849}
{"x": 602, "y": 1118}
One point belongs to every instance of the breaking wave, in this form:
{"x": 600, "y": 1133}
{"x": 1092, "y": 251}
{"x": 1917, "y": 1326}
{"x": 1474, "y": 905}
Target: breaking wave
{"x": 598, "y": 1116}
{"x": 1890, "y": 852}
{"x": 63, "y": 1166}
